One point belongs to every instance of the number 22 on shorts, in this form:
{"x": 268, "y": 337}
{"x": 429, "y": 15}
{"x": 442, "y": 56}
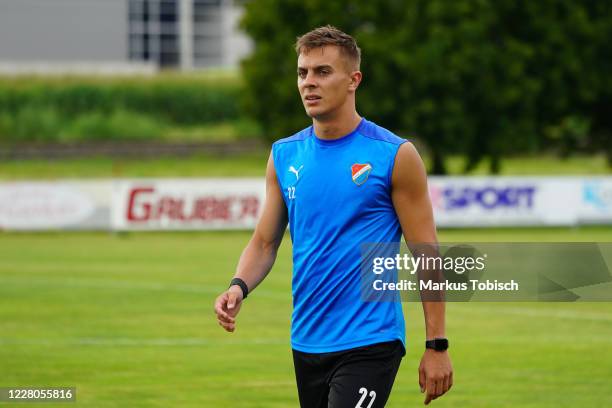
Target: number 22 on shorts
{"x": 364, "y": 393}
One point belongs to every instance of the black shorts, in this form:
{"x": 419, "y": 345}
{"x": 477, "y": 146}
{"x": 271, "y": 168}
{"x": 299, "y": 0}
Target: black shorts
{"x": 357, "y": 378}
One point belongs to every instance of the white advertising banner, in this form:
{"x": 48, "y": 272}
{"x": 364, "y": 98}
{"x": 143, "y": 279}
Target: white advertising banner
{"x": 202, "y": 204}
{"x": 596, "y": 201}
{"x": 505, "y": 201}
{"x": 184, "y": 204}
{"x": 50, "y": 205}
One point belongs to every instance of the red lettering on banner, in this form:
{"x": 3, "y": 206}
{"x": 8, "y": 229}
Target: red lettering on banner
{"x": 250, "y": 207}
{"x": 222, "y": 209}
{"x": 143, "y": 206}
{"x": 210, "y": 208}
{"x": 205, "y": 208}
{"x": 170, "y": 208}
{"x": 146, "y": 207}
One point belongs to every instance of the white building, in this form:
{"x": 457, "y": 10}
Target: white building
{"x": 119, "y": 35}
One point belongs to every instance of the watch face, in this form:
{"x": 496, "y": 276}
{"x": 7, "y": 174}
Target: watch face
{"x": 437, "y": 344}
{"x": 441, "y": 344}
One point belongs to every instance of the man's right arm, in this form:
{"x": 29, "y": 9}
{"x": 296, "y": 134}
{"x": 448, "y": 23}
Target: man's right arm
{"x": 260, "y": 253}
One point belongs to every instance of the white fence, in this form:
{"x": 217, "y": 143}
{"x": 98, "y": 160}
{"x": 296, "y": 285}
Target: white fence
{"x": 204, "y": 204}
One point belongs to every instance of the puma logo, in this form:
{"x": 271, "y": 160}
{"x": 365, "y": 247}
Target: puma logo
{"x": 296, "y": 172}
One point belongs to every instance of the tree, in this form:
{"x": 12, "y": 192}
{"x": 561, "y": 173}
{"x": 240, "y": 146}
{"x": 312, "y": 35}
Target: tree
{"x": 481, "y": 78}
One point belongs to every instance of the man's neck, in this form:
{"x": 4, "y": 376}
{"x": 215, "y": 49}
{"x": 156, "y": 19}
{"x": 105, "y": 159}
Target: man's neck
{"x": 337, "y": 127}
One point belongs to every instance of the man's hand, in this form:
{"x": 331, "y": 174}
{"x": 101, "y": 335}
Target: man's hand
{"x": 227, "y": 307}
{"x": 435, "y": 374}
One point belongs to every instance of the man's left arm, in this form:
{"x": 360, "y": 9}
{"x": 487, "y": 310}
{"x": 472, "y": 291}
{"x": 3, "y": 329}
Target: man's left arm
{"x": 410, "y": 197}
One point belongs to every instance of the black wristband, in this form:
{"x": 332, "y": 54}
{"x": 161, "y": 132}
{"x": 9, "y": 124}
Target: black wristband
{"x": 243, "y": 286}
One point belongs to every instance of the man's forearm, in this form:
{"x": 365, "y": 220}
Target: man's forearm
{"x": 256, "y": 262}
{"x": 434, "y": 307}
{"x": 434, "y": 319}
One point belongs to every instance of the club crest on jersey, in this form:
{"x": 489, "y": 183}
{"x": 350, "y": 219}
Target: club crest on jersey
{"x": 360, "y": 172}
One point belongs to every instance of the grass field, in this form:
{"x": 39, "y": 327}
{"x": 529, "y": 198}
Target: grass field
{"x": 253, "y": 165}
{"x": 128, "y": 320}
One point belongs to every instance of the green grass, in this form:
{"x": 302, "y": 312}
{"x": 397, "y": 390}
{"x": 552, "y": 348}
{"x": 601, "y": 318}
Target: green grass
{"x": 228, "y": 131}
{"x": 128, "y": 320}
{"x": 539, "y": 165}
{"x": 253, "y": 165}
{"x": 244, "y": 165}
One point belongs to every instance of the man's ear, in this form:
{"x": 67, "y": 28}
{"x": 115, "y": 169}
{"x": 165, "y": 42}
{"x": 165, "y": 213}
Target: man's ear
{"x": 355, "y": 80}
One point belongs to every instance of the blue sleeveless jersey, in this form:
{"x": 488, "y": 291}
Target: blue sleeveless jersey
{"x": 338, "y": 196}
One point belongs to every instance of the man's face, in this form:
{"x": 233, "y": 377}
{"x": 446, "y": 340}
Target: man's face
{"x": 324, "y": 80}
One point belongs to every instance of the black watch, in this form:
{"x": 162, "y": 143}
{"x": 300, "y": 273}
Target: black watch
{"x": 437, "y": 344}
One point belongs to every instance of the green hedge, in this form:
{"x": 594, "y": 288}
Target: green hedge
{"x": 62, "y": 109}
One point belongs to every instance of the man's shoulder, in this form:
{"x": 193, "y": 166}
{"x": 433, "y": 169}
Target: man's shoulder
{"x": 376, "y": 132}
{"x": 296, "y": 137}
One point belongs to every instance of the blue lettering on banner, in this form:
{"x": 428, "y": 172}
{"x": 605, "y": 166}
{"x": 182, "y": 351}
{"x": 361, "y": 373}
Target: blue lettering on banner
{"x": 489, "y": 197}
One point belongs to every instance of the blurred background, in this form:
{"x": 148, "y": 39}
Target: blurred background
{"x": 134, "y": 136}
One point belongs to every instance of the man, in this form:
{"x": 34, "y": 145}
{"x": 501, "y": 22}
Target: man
{"x": 341, "y": 182}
